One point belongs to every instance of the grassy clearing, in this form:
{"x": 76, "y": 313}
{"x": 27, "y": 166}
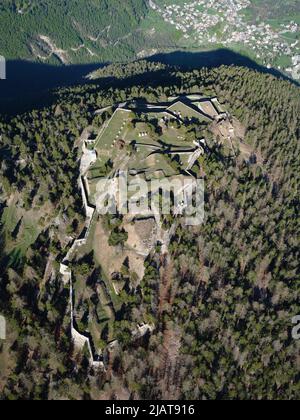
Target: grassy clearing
{"x": 21, "y": 231}
{"x": 114, "y": 129}
{"x": 187, "y": 112}
{"x": 93, "y": 189}
{"x": 161, "y": 164}
{"x": 283, "y": 61}
{"x": 162, "y": 33}
{"x": 9, "y": 219}
{"x": 101, "y": 316}
{"x": 175, "y": 137}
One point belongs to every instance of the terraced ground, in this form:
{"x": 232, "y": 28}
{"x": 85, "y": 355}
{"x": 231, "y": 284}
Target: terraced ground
{"x": 143, "y": 134}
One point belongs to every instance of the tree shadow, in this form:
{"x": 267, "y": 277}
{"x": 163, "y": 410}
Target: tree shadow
{"x": 30, "y": 85}
{"x": 187, "y": 60}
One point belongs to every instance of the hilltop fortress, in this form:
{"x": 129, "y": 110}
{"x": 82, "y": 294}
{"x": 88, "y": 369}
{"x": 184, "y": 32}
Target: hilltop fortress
{"x": 148, "y": 142}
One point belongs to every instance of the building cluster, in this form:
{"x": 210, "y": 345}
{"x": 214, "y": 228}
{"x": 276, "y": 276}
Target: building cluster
{"x": 225, "y": 22}
{"x": 295, "y": 68}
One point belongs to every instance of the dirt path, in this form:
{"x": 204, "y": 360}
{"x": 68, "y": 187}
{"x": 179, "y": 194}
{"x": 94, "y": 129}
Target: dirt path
{"x": 54, "y": 50}
{"x": 165, "y": 283}
{"x": 166, "y": 373}
{"x": 48, "y": 272}
{"x": 169, "y": 364}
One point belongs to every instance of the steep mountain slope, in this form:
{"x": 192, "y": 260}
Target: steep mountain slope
{"x": 69, "y": 32}
{"x": 79, "y": 31}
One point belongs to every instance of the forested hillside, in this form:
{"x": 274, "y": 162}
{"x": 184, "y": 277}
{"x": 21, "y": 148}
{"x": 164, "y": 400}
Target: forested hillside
{"x": 75, "y": 31}
{"x": 221, "y": 307}
{"x": 102, "y": 31}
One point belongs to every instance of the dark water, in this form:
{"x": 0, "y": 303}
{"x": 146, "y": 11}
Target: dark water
{"x": 29, "y": 84}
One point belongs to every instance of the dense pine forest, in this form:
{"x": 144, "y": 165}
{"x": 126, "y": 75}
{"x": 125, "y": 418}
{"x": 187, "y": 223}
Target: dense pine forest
{"x": 222, "y": 306}
{"x": 77, "y": 27}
